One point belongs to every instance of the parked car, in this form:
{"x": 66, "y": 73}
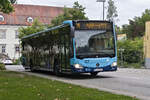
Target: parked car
{"x": 5, "y": 59}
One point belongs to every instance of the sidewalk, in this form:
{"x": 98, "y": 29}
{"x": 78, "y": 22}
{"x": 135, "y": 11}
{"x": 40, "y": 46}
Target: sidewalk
{"x": 15, "y": 67}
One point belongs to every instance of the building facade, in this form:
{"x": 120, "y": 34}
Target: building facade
{"x": 121, "y": 37}
{"x": 23, "y": 16}
{"x": 147, "y": 45}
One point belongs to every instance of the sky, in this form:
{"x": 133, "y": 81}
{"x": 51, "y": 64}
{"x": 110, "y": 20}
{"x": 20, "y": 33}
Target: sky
{"x": 127, "y": 9}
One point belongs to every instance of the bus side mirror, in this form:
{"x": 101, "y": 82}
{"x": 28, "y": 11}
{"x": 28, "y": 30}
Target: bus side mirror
{"x": 72, "y": 31}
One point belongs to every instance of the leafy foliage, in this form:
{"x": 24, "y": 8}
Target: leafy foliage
{"x": 133, "y": 51}
{"x": 5, "y": 6}
{"x": 16, "y": 62}
{"x": 36, "y": 27}
{"x": 136, "y": 27}
{"x": 118, "y": 30}
{"x": 111, "y": 11}
{"x": 75, "y": 13}
{"x": 2, "y": 66}
{"x": 12, "y": 1}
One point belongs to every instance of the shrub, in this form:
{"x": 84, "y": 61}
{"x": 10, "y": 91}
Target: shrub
{"x": 2, "y": 66}
{"x": 16, "y": 62}
{"x": 132, "y": 53}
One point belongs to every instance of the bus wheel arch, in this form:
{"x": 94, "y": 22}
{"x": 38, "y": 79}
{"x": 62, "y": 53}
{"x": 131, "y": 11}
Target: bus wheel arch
{"x": 31, "y": 65}
{"x": 94, "y": 74}
{"x": 57, "y": 68}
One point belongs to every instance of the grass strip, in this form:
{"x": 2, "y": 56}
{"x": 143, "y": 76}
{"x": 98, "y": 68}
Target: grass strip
{"x": 17, "y": 86}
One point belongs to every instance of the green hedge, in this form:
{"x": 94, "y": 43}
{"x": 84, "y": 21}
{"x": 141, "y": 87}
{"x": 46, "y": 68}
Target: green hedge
{"x": 132, "y": 52}
{"x": 16, "y": 62}
{"x": 2, "y": 66}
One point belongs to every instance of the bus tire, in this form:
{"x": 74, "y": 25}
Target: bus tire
{"x": 94, "y": 74}
{"x": 31, "y": 66}
{"x": 57, "y": 70}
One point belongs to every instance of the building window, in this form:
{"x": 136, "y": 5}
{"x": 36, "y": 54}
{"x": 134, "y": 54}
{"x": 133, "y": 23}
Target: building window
{"x": 30, "y": 19}
{"x": 2, "y": 48}
{"x": 16, "y": 34}
{"x": 1, "y": 18}
{"x": 17, "y": 48}
{"x": 2, "y": 34}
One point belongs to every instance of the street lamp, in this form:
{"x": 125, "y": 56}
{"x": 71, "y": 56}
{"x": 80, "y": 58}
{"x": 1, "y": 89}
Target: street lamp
{"x": 103, "y": 7}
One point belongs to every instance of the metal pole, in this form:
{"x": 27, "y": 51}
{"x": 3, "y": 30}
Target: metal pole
{"x": 121, "y": 59}
{"x": 103, "y": 10}
{"x": 103, "y": 7}
{"x": 19, "y": 52}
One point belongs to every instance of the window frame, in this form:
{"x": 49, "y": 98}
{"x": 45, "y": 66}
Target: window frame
{"x": 2, "y": 17}
{"x": 17, "y": 48}
{"x": 16, "y": 34}
{"x": 3, "y": 48}
{"x": 30, "y": 20}
{"x": 2, "y": 33}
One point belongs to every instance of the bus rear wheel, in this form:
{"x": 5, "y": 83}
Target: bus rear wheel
{"x": 57, "y": 71}
{"x": 31, "y": 66}
{"x": 32, "y": 69}
{"x": 94, "y": 73}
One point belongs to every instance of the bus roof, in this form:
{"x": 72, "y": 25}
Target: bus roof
{"x": 69, "y": 22}
{"x": 38, "y": 33}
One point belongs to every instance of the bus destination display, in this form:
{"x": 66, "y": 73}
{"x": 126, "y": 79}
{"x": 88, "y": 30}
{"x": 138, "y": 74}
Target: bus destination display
{"x": 93, "y": 26}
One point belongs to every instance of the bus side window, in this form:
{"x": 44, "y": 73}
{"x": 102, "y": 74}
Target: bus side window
{"x": 71, "y": 48}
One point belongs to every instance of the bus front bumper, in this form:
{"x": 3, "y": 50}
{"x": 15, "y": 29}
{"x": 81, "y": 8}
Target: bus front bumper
{"x": 99, "y": 69}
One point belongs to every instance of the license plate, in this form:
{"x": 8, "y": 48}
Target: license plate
{"x": 98, "y": 69}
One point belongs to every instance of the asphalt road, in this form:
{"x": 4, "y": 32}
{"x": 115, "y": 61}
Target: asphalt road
{"x": 131, "y": 82}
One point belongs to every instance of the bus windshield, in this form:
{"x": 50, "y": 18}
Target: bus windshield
{"x": 94, "y": 43}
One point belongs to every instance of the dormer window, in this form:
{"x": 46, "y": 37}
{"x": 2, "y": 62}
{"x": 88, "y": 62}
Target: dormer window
{"x": 30, "y": 19}
{"x": 1, "y": 18}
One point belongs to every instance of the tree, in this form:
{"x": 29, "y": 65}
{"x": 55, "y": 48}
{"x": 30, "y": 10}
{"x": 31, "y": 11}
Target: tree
{"x": 59, "y": 19}
{"x": 124, "y": 29}
{"x": 118, "y": 30}
{"x": 12, "y": 1}
{"x": 111, "y": 11}
{"x": 6, "y": 6}
{"x": 75, "y": 13}
{"x": 136, "y": 27}
{"x": 36, "y": 27}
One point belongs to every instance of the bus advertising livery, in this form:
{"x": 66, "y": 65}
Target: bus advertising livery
{"x": 73, "y": 47}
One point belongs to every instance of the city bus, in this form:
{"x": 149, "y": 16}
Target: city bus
{"x": 76, "y": 46}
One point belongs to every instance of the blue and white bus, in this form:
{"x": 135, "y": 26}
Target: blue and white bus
{"x": 75, "y": 47}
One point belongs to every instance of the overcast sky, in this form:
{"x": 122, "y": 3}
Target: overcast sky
{"x": 127, "y": 9}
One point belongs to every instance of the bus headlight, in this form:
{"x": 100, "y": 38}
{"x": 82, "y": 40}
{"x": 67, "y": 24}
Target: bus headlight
{"x": 114, "y": 64}
{"x": 78, "y": 66}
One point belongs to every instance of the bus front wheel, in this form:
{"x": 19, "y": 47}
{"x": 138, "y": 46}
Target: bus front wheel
{"x": 94, "y": 73}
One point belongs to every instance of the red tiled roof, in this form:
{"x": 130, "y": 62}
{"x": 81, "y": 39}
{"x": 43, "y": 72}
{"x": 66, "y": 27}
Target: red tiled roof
{"x": 19, "y": 17}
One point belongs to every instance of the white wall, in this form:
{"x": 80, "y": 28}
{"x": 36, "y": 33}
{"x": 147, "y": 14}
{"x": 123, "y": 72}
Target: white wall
{"x": 10, "y": 41}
